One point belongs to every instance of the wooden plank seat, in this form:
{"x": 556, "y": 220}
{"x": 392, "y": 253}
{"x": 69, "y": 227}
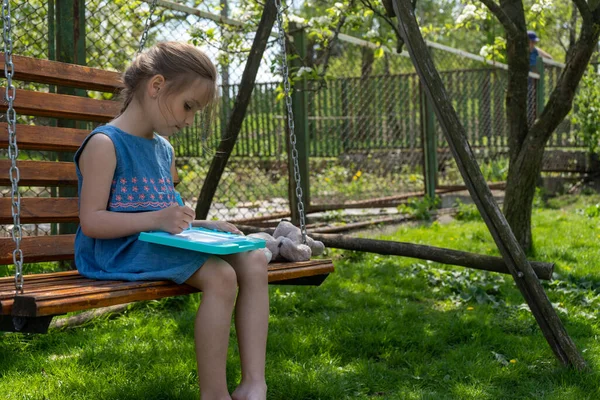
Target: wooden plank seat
{"x": 47, "y": 295}
{"x": 51, "y": 294}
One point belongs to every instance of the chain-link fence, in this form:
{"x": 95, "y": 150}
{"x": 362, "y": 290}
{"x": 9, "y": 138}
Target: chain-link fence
{"x": 365, "y": 120}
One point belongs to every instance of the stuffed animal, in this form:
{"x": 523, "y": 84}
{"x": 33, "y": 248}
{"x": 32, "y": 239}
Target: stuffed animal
{"x": 286, "y": 244}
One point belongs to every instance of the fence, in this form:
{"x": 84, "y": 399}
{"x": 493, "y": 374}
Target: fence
{"x": 367, "y": 122}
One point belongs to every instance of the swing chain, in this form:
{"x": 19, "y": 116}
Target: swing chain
{"x": 290, "y": 116}
{"x": 13, "y": 150}
{"x": 144, "y": 37}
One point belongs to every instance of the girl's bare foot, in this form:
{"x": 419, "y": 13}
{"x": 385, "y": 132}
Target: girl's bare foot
{"x": 250, "y": 391}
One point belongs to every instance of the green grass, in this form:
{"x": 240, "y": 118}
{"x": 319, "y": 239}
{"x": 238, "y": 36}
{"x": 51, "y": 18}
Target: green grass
{"x": 378, "y": 328}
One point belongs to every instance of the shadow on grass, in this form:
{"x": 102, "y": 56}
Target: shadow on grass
{"x": 375, "y": 329}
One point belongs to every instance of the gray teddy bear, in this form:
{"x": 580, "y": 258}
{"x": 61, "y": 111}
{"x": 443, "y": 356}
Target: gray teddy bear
{"x": 286, "y": 244}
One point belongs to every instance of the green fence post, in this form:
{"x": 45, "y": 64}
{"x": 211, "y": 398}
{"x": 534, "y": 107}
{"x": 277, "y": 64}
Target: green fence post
{"x": 345, "y": 115}
{"x": 484, "y": 129}
{"x": 300, "y": 109}
{"x": 70, "y": 48}
{"x": 540, "y": 92}
{"x": 429, "y": 140}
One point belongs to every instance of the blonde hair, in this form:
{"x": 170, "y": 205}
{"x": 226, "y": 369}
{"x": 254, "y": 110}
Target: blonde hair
{"x": 177, "y": 62}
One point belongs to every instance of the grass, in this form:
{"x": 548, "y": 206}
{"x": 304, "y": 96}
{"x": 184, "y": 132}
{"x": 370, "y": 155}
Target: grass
{"x": 378, "y": 328}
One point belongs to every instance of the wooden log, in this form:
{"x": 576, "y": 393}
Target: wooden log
{"x": 229, "y": 137}
{"x": 388, "y": 201}
{"x": 442, "y": 255}
{"x": 360, "y": 225}
{"x": 423, "y": 252}
{"x": 86, "y": 316}
{"x": 526, "y": 280}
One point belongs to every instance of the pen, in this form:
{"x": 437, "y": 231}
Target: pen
{"x": 180, "y": 202}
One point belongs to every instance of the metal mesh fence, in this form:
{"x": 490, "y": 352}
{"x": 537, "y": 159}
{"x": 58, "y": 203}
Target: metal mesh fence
{"x": 365, "y": 120}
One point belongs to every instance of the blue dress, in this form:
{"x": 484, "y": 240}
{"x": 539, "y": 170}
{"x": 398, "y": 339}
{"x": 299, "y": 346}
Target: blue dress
{"x": 141, "y": 182}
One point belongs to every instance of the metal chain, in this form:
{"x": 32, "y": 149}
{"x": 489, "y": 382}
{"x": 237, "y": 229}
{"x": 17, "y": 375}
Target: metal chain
{"x": 13, "y": 150}
{"x": 144, "y": 37}
{"x": 290, "y": 116}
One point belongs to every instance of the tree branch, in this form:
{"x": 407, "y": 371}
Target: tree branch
{"x": 388, "y": 18}
{"x": 585, "y": 11}
{"x": 333, "y": 41}
{"x": 511, "y": 28}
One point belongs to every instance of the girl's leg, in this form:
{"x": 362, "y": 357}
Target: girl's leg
{"x": 251, "y": 321}
{"x": 218, "y": 282}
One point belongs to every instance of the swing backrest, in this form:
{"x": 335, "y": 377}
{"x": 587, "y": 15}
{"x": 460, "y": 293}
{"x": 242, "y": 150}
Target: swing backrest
{"x": 36, "y": 173}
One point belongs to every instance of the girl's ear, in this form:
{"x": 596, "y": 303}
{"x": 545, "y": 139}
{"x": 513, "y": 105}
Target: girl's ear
{"x": 155, "y": 85}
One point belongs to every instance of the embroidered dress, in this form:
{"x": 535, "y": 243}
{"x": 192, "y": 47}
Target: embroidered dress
{"x": 142, "y": 182}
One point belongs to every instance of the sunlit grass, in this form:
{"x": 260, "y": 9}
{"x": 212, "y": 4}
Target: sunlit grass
{"x": 378, "y": 328}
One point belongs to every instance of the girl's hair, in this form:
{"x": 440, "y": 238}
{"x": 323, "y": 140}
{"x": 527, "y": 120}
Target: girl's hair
{"x": 179, "y": 63}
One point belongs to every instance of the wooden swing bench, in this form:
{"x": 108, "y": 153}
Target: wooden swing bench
{"x": 47, "y": 295}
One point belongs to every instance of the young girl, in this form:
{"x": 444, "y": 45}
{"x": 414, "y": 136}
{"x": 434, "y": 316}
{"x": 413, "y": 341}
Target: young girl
{"x": 126, "y": 173}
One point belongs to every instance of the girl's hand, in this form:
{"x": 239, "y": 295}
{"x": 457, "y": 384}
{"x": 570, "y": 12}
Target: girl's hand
{"x": 222, "y": 226}
{"x": 175, "y": 219}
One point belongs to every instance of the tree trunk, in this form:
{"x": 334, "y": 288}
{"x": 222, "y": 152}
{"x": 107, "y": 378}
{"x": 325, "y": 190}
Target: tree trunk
{"x": 520, "y": 183}
{"x": 520, "y": 190}
{"x": 526, "y": 145}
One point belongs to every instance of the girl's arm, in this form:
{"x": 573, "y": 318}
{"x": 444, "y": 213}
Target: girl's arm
{"x": 97, "y": 164}
{"x": 200, "y": 223}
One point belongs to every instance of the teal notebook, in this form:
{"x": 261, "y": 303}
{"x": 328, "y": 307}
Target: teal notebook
{"x": 205, "y": 241}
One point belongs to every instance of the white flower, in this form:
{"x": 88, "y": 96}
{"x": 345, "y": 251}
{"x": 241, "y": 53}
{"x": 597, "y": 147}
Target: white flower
{"x": 536, "y": 8}
{"x": 302, "y": 70}
{"x": 469, "y": 9}
{"x": 547, "y": 4}
{"x": 246, "y": 16}
{"x": 296, "y": 19}
{"x": 467, "y": 13}
{"x": 485, "y": 51}
{"x": 322, "y": 20}
{"x": 373, "y": 33}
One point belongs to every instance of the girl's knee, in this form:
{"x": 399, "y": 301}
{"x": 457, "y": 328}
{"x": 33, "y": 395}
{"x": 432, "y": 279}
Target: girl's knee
{"x": 217, "y": 277}
{"x": 255, "y": 266}
{"x": 222, "y": 279}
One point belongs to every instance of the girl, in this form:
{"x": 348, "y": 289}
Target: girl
{"x": 126, "y": 173}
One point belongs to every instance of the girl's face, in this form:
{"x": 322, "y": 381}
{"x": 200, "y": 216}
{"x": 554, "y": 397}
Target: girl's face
{"x": 171, "y": 112}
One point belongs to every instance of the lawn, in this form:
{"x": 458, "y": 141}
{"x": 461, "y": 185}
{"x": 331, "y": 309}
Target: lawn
{"x": 378, "y": 328}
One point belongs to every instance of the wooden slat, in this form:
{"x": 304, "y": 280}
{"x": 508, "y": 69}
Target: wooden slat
{"x": 7, "y": 296}
{"x": 35, "y": 210}
{"x": 94, "y": 287}
{"x": 324, "y": 267}
{"x": 63, "y": 74}
{"x": 52, "y": 105}
{"x": 39, "y": 248}
{"x": 44, "y": 138}
{"x": 61, "y": 276}
{"x": 61, "y": 306}
{"x": 59, "y": 293}
{"x": 40, "y": 173}
{"x": 39, "y": 287}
